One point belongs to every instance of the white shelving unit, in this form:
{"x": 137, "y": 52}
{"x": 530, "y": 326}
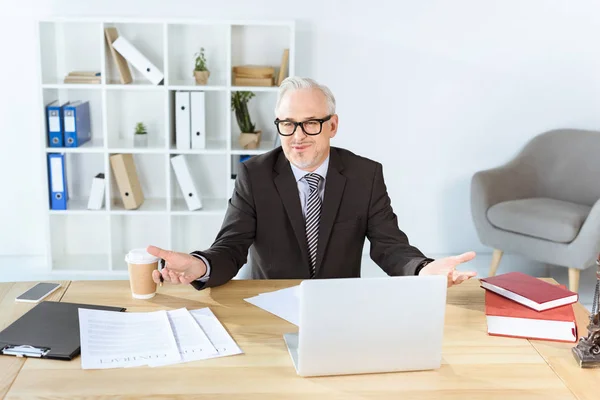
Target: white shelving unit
{"x": 94, "y": 242}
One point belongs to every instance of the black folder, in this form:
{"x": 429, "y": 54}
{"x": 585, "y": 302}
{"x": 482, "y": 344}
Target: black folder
{"x": 48, "y": 330}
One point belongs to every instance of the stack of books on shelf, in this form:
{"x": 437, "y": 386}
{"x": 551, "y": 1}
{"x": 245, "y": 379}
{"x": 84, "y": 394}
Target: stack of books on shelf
{"x": 89, "y": 77}
{"x": 519, "y": 305}
{"x": 253, "y": 75}
{"x": 261, "y": 75}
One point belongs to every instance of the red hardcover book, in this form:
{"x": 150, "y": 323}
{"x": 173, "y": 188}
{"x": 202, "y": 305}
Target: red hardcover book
{"x": 507, "y": 318}
{"x": 529, "y": 291}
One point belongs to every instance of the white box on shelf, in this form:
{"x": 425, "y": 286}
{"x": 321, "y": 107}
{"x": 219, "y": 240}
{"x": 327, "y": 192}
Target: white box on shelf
{"x": 96, "y": 199}
{"x": 182, "y": 120}
{"x": 198, "y": 120}
{"x": 138, "y": 60}
{"x": 186, "y": 183}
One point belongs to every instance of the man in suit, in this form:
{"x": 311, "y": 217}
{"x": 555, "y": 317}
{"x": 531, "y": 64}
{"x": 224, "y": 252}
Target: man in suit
{"x": 303, "y": 210}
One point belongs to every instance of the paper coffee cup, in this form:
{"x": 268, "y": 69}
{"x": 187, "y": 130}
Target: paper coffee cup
{"x": 140, "y": 264}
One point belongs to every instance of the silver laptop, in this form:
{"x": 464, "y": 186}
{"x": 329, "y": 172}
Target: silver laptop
{"x": 369, "y": 325}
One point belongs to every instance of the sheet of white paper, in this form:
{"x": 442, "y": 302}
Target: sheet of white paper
{"x": 283, "y": 303}
{"x": 216, "y": 332}
{"x": 192, "y": 342}
{"x": 291, "y": 291}
{"x": 116, "y": 340}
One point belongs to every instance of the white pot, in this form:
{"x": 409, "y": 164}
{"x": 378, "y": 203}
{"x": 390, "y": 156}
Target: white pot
{"x": 140, "y": 140}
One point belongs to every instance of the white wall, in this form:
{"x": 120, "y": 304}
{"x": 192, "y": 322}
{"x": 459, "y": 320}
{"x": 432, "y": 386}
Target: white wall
{"x": 435, "y": 90}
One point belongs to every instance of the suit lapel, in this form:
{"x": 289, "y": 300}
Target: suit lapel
{"x": 334, "y": 189}
{"x": 288, "y": 191}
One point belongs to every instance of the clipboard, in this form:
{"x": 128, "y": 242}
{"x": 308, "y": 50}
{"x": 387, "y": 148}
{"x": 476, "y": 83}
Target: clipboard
{"x": 49, "y": 330}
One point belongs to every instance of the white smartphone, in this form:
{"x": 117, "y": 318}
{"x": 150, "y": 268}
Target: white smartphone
{"x": 38, "y": 292}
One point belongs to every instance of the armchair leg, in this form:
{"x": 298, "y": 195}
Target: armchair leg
{"x": 496, "y": 257}
{"x": 574, "y": 279}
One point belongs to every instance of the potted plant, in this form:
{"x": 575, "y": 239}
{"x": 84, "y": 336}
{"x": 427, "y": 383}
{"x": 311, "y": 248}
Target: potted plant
{"x": 249, "y": 137}
{"x": 140, "y": 138}
{"x": 201, "y": 72}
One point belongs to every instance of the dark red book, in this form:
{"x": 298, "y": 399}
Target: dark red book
{"x": 507, "y": 318}
{"x": 529, "y": 291}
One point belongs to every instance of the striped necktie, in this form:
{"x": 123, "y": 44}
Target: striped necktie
{"x": 313, "y": 215}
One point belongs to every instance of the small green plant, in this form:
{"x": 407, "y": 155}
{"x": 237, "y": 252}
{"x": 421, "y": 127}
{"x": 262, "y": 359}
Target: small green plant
{"x": 200, "y": 61}
{"x": 239, "y": 104}
{"x": 140, "y": 129}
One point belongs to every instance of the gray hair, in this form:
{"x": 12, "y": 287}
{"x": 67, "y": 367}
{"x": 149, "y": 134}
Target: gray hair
{"x": 296, "y": 82}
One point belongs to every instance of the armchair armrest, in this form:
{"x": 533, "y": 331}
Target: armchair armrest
{"x": 588, "y": 239}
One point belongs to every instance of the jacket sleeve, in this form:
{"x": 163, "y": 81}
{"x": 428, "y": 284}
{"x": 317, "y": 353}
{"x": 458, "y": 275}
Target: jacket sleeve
{"x": 390, "y": 247}
{"x": 229, "y": 251}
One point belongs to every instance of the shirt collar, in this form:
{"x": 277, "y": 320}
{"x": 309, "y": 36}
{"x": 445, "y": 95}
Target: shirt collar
{"x": 322, "y": 170}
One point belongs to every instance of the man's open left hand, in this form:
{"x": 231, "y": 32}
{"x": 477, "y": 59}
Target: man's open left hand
{"x": 447, "y": 266}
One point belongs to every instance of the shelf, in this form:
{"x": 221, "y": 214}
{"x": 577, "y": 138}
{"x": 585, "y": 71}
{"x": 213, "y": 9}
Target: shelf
{"x": 135, "y": 85}
{"x": 125, "y": 109}
{"x": 151, "y": 174}
{"x": 87, "y": 86}
{"x": 254, "y": 88}
{"x": 185, "y": 41}
{"x": 191, "y": 86}
{"x": 216, "y": 112}
{"x": 150, "y": 206}
{"x": 80, "y": 171}
{"x": 81, "y": 263}
{"x": 70, "y": 44}
{"x": 77, "y": 206}
{"x": 91, "y": 146}
{"x": 147, "y": 38}
{"x": 69, "y": 94}
{"x": 246, "y": 51}
{"x": 212, "y": 147}
{"x": 79, "y": 242}
{"x": 207, "y": 173}
{"x": 127, "y": 146}
{"x": 265, "y": 145}
{"x": 209, "y": 206}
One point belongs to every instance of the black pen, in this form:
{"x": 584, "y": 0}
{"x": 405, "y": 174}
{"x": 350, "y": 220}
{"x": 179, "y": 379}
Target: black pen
{"x": 162, "y": 265}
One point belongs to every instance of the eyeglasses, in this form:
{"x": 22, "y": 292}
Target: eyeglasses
{"x": 310, "y": 127}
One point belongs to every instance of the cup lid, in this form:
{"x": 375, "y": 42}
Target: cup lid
{"x": 140, "y": 256}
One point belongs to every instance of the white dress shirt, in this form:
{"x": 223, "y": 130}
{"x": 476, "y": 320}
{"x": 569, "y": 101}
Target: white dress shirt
{"x": 304, "y": 188}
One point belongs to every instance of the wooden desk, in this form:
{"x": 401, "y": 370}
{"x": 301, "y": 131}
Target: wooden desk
{"x": 475, "y": 365}
{"x": 9, "y": 312}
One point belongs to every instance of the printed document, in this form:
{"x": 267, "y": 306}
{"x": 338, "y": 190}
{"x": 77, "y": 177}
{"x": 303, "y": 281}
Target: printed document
{"x": 116, "y": 340}
{"x": 216, "y": 332}
{"x": 119, "y": 340}
{"x": 191, "y": 340}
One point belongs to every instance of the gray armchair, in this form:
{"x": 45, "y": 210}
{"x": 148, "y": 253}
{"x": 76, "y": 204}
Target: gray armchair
{"x": 544, "y": 203}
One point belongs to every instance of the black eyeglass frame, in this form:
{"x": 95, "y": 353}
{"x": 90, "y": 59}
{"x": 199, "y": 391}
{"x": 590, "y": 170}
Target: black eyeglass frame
{"x": 320, "y": 120}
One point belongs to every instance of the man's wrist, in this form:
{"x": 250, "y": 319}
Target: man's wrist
{"x": 422, "y": 265}
{"x": 206, "y": 274}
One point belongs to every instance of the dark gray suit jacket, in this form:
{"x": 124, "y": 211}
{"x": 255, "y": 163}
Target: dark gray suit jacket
{"x": 264, "y": 225}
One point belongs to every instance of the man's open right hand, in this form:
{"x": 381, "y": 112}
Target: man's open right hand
{"x": 179, "y": 267}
